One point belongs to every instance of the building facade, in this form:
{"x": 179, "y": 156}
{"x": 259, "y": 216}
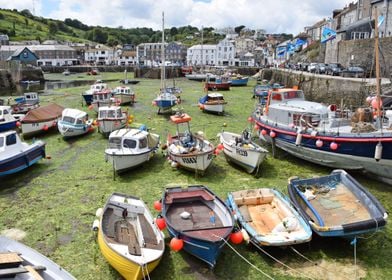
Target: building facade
{"x": 201, "y": 55}
{"x": 100, "y": 55}
{"x": 225, "y": 53}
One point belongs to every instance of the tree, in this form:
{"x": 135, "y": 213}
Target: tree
{"x": 26, "y": 13}
{"x": 239, "y": 28}
{"x": 52, "y": 28}
{"x": 99, "y": 35}
{"x": 173, "y": 31}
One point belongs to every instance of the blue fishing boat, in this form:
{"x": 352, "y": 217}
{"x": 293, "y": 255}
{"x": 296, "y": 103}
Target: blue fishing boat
{"x": 337, "y": 205}
{"x": 239, "y": 80}
{"x": 98, "y": 86}
{"x": 268, "y": 217}
{"x": 7, "y": 120}
{"x": 16, "y": 155}
{"x": 199, "y": 218}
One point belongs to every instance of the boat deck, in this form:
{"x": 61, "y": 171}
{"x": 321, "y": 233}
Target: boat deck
{"x": 203, "y": 223}
{"x": 263, "y": 218}
{"x": 339, "y": 206}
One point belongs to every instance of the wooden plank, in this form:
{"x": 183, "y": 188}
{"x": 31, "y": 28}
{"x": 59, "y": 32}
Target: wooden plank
{"x": 8, "y": 258}
{"x": 33, "y": 272}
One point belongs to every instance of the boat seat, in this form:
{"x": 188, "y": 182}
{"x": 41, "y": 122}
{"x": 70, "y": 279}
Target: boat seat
{"x": 256, "y": 199}
{"x": 108, "y": 223}
{"x": 125, "y": 234}
{"x": 245, "y": 213}
{"x": 148, "y": 232}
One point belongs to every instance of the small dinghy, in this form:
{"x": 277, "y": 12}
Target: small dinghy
{"x": 199, "y": 218}
{"x": 268, "y": 218}
{"x": 19, "y": 262}
{"x": 16, "y": 155}
{"x": 213, "y": 103}
{"x": 129, "y": 238}
{"x": 111, "y": 118}
{"x": 74, "y": 123}
{"x": 188, "y": 150}
{"x": 129, "y": 148}
{"x": 241, "y": 150}
{"x": 337, "y": 205}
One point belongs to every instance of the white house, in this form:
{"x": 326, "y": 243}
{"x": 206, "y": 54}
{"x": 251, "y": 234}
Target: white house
{"x": 125, "y": 57}
{"x": 225, "y": 53}
{"x": 100, "y": 55}
{"x": 201, "y": 55}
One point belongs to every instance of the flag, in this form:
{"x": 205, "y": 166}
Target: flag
{"x": 327, "y": 34}
{"x": 281, "y": 51}
{"x": 380, "y": 20}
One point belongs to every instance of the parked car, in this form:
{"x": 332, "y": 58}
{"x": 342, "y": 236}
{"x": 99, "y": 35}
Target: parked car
{"x": 320, "y": 68}
{"x": 334, "y": 69}
{"x": 353, "y": 71}
{"x": 303, "y": 66}
{"x": 312, "y": 67}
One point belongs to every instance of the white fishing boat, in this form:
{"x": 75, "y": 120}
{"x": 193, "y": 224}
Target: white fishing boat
{"x": 129, "y": 238}
{"x": 129, "y": 148}
{"x": 16, "y": 155}
{"x": 74, "y": 122}
{"x": 25, "y": 103}
{"x": 19, "y": 262}
{"x": 7, "y": 120}
{"x": 103, "y": 98}
{"x": 41, "y": 119}
{"x": 213, "y": 103}
{"x": 187, "y": 150}
{"x": 241, "y": 150}
{"x": 111, "y": 118}
{"x": 125, "y": 95}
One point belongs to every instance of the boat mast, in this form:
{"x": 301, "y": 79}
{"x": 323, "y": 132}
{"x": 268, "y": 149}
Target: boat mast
{"x": 378, "y": 80}
{"x": 163, "y": 74}
{"x": 202, "y": 41}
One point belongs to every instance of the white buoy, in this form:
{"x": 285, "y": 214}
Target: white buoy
{"x": 99, "y": 212}
{"x": 298, "y": 140}
{"x": 95, "y": 225}
{"x": 245, "y": 235}
{"x": 174, "y": 164}
{"x": 378, "y": 152}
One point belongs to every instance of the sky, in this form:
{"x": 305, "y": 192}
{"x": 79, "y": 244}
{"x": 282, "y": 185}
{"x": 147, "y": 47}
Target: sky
{"x": 274, "y": 16}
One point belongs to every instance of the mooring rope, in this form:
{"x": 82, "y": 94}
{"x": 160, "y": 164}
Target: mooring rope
{"x": 247, "y": 261}
{"x": 278, "y": 261}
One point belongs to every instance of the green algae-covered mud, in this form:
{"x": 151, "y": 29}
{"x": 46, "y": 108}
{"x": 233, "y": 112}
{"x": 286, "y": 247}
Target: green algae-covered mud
{"x": 52, "y": 205}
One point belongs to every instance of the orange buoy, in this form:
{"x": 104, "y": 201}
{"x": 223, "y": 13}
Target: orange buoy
{"x": 319, "y": 143}
{"x": 158, "y": 205}
{"x": 220, "y": 147}
{"x": 264, "y": 132}
{"x": 333, "y": 146}
{"x": 236, "y": 237}
{"x": 45, "y": 128}
{"x": 176, "y": 244}
{"x": 161, "y": 223}
{"x": 272, "y": 134}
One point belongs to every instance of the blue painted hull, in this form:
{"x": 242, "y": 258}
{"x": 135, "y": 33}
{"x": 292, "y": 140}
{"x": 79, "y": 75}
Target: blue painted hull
{"x": 165, "y": 104}
{"x": 331, "y": 182}
{"x": 7, "y": 126}
{"x": 21, "y": 161}
{"x": 239, "y": 82}
{"x": 88, "y": 98}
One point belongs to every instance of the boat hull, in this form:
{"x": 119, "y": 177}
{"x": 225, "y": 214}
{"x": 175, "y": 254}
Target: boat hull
{"x": 239, "y": 82}
{"x": 71, "y": 130}
{"x": 213, "y": 108}
{"x": 124, "y": 162}
{"x": 128, "y": 269}
{"x": 4, "y": 126}
{"x": 29, "y": 129}
{"x": 22, "y": 160}
{"x": 125, "y": 98}
{"x": 193, "y": 162}
{"x": 88, "y": 98}
{"x": 165, "y": 104}
{"x": 352, "y": 153}
{"x": 107, "y": 126}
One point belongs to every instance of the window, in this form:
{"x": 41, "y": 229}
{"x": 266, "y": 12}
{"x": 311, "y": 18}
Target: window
{"x": 142, "y": 143}
{"x": 68, "y": 119}
{"x": 10, "y": 139}
{"x": 1, "y": 142}
{"x": 115, "y": 143}
{"x": 111, "y": 114}
{"x": 129, "y": 144}
{"x": 79, "y": 121}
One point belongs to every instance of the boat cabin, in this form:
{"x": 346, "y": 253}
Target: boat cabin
{"x": 124, "y": 90}
{"x": 28, "y": 98}
{"x": 103, "y": 95}
{"x": 5, "y": 113}
{"x": 131, "y": 139}
{"x": 74, "y": 116}
{"x": 98, "y": 87}
{"x": 10, "y": 141}
{"x": 110, "y": 112}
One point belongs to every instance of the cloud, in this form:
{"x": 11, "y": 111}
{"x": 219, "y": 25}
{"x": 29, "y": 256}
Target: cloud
{"x": 279, "y": 16}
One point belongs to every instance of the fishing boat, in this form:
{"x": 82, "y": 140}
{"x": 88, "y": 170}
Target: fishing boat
{"x": 96, "y": 87}
{"x": 41, "y": 119}
{"x": 74, "y": 122}
{"x": 16, "y": 155}
{"x": 238, "y": 80}
{"x": 241, "y": 150}
{"x": 201, "y": 76}
{"x": 129, "y": 238}
{"x": 337, "y": 205}
{"x": 111, "y": 118}
{"x": 125, "y": 95}
{"x": 175, "y": 90}
{"x": 25, "y": 103}
{"x": 268, "y": 217}
{"x": 198, "y": 217}
{"x": 165, "y": 100}
{"x": 221, "y": 83}
{"x": 104, "y": 98}
{"x": 327, "y": 135}
{"x": 129, "y": 148}
{"x": 7, "y": 120}
{"x": 188, "y": 150}
{"x": 17, "y": 261}
{"x": 212, "y": 102}
{"x": 261, "y": 91}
